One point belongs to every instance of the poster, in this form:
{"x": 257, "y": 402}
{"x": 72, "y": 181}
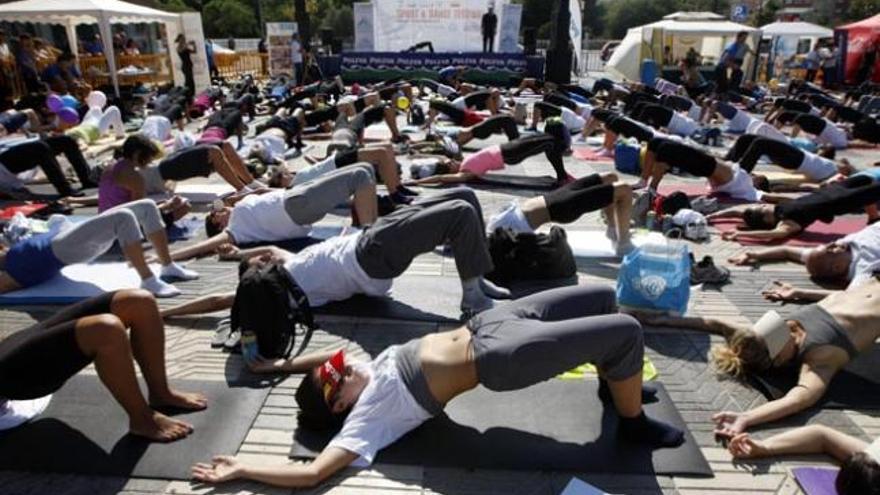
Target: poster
{"x": 451, "y": 25}
{"x": 191, "y": 27}
{"x": 279, "y": 35}
{"x": 363, "y": 27}
{"x": 508, "y": 37}
{"x": 575, "y": 30}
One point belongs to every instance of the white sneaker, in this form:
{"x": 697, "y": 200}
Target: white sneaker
{"x": 177, "y": 272}
{"x": 159, "y": 288}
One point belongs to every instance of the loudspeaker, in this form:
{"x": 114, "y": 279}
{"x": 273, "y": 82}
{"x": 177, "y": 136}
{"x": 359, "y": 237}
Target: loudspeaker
{"x": 530, "y": 41}
{"x": 559, "y": 55}
{"x": 557, "y": 67}
{"x": 561, "y": 19}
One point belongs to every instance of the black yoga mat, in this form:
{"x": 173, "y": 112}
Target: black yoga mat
{"x": 84, "y": 431}
{"x": 516, "y": 181}
{"x": 559, "y": 425}
{"x": 413, "y": 298}
{"x": 856, "y": 386}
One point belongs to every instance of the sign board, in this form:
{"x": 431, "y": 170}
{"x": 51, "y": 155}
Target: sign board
{"x": 508, "y": 36}
{"x": 739, "y": 12}
{"x": 363, "y": 27}
{"x": 451, "y": 25}
{"x": 279, "y": 35}
{"x": 575, "y": 29}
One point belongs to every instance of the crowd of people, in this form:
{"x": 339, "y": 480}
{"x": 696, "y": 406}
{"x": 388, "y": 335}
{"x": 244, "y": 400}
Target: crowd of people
{"x": 502, "y": 345}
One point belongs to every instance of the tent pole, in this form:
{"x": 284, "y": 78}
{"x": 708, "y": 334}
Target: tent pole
{"x": 107, "y": 39}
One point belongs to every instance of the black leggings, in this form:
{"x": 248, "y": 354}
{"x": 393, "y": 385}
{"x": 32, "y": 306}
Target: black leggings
{"x": 228, "y": 118}
{"x": 371, "y": 115}
{"x": 567, "y": 203}
{"x": 38, "y": 360}
{"x": 477, "y": 100}
{"x": 497, "y": 124}
{"x": 561, "y": 100}
{"x": 68, "y": 146}
{"x": 654, "y": 115}
{"x": 684, "y": 157}
{"x": 320, "y": 116}
{"x": 290, "y": 126}
{"x": 32, "y": 154}
{"x": 548, "y": 109}
{"x": 792, "y": 105}
{"x": 431, "y": 84}
{"x": 867, "y": 129}
{"x": 627, "y": 127}
{"x": 456, "y": 115}
{"x": 810, "y": 123}
{"x": 675, "y": 102}
{"x": 631, "y": 100}
{"x": 516, "y": 151}
{"x": 749, "y": 149}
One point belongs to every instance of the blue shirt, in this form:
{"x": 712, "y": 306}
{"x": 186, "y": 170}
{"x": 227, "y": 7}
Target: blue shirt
{"x": 32, "y": 261}
{"x": 735, "y": 52}
{"x": 447, "y": 73}
{"x": 873, "y": 173}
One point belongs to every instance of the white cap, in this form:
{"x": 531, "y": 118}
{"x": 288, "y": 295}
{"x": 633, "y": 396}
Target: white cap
{"x": 773, "y": 330}
{"x": 873, "y": 450}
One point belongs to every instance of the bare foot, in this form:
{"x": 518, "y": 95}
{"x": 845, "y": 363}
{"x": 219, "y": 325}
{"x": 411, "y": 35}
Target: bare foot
{"x": 191, "y": 401}
{"x": 159, "y": 428}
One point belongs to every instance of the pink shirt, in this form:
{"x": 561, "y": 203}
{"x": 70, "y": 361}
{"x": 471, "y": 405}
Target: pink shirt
{"x": 212, "y": 135}
{"x": 111, "y": 194}
{"x": 483, "y": 161}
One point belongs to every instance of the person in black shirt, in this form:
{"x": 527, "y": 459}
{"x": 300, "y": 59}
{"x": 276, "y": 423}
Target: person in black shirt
{"x": 184, "y": 51}
{"x": 488, "y": 26}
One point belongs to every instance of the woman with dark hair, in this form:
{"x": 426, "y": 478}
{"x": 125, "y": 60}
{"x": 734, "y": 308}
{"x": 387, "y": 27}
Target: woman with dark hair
{"x": 510, "y": 347}
{"x": 776, "y": 222}
{"x": 185, "y": 51}
{"x": 859, "y": 461}
{"x": 37, "y": 361}
{"x": 495, "y": 158}
{"x": 820, "y": 339}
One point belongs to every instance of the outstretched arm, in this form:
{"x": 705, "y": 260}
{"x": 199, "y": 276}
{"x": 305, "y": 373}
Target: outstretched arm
{"x": 225, "y": 468}
{"x": 783, "y": 291}
{"x": 445, "y": 179}
{"x": 200, "y": 306}
{"x": 811, "y": 387}
{"x": 812, "y": 439}
{"x": 296, "y": 364}
{"x": 708, "y": 325}
{"x": 783, "y": 230}
{"x": 781, "y": 253}
{"x": 208, "y": 246}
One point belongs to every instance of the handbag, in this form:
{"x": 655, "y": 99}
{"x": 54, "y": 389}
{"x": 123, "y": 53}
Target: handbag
{"x": 656, "y": 277}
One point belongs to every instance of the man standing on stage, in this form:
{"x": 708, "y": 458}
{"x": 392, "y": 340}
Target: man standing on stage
{"x": 489, "y": 26}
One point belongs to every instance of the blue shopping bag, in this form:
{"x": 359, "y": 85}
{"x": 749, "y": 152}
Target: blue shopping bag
{"x": 656, "y": 277}
{"x": 627, "y": 157}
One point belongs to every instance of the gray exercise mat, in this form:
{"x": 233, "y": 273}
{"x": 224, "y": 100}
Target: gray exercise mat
{"x": 413, "y": 298}
{"x": 559, "y": 425}
{"x": 84, "y": 431}
{"x": 517, "y": 181}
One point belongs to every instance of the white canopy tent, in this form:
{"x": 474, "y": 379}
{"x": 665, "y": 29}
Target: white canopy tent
{"x": 788, "y": 39}
{"x": 702, "y": 31}
{"x": 70, "y": 13}
{"x": 796, "y": 29}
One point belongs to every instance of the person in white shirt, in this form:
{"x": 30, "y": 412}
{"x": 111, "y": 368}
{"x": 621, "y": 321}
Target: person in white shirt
{"x": 296, "y": 57}
{"x": 852, "y": 261}
{"x": 516, "y": 345}
{"x": 659, "y": 117}
{"x": 37, "y": 361}
{"x": 817, "y": 168}
{"x": 268, "y": 216}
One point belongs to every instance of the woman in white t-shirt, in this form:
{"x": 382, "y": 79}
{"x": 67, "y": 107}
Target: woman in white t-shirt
{"x": 37, "y": 361}
{"x": 817, "y": 168}
{"x": 511, "y": 347}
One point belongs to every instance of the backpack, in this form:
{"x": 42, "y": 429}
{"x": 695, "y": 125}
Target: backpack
{"x": 269, "y": 305}
{"x": 526, "y": 256}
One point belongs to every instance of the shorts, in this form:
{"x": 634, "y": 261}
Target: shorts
{"x": 187, "y": 163}
{"x": 38, "y": 360}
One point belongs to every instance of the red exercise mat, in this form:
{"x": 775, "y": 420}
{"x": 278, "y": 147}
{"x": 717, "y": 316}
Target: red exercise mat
{"x": 26, "y": 209}
{"x": 816, "y": 234}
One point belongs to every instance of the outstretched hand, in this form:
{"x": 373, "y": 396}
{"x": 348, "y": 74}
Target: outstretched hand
{"x": 781, "y": 292}
{"x": 729, "y": 424}
{"x": 742, "y": 446}
{"x": 222, "y": 468}
{"x": 228, "y": 252}
{"x": 743, "y": 259}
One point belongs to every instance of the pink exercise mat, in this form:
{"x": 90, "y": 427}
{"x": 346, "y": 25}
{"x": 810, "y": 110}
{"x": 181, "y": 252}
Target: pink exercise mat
{"x": 816, "y": 234}
{"x": 591, "y": 155}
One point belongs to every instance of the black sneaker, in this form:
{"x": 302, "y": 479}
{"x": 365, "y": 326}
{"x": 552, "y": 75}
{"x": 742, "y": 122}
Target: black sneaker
{"x": 705, "y": 272}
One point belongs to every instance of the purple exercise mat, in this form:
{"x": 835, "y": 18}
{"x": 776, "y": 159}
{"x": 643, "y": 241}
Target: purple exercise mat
{"x": 816, "y": 481}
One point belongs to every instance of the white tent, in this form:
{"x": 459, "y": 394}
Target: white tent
{"x": 70, "y": 13}
{"x": 701, "y": 31}
{"x": 796, "y": 30}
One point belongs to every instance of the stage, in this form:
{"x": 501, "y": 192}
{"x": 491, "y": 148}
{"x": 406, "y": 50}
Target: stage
{"x": 499, "y": 69}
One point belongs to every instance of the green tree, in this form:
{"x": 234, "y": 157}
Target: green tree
{"x": 594, "y": 17}
{"x": 766, "y": 14}
{"x": 626, "y": 14}
{"x": 862, "y": 9}
{"x": 224, "y": 18}
{"x": 174, "y": 6}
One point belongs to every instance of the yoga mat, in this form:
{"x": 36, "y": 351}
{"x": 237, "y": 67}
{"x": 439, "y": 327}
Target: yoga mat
{"x": 591, "y": 155}
{"x": 557, "y": 425}
{"x": 578, "y": 487}
{"x": 78, "y": 282}
{"x": 413, "y": 298}
{"x": 816, "y": 481}
{"x": 816, "y": 234}
{"x": 26, "y": 209}
{"x": 785, "y": 178}
{"x": 537, "y": 182}
{"x": 855, "y": 387}
{"x": 203, "y": 193}
{"x": 319, "y": 233}
{"x": 84, "y": 431}
{"x": 594, "y": 244}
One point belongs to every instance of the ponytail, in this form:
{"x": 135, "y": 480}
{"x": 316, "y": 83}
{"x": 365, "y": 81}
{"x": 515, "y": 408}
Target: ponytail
{"x": 744, "y": 352}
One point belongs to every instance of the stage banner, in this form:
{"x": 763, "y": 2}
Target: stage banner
{"x": 191, "y": 27}
{"x": 363, "y": 27}
{"x": 279, "y": 35}
{"x": 511, "y": 17}
{"x": 451, "y": 25}
{"x": 488, "y": 68}
{"x": 575, "y": 30}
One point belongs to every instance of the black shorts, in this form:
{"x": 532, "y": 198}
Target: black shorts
{"x": 38, "y": 360}
{"x": 290, "y": 126}
{"x": 589, "y": 194}
{"x": 345, "y": 158}
{"x": 187, "y": 163}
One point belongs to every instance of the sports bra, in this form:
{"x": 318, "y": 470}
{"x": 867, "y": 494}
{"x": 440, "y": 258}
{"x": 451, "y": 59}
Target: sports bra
{"x": 821, "y": 329}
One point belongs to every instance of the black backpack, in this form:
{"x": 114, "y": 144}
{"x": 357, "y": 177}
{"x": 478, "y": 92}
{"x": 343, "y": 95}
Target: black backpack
{"x": 522, "y": 256}
{"x": 269, "y": 305}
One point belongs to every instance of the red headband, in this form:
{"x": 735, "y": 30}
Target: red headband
{"x": 331, "y": 373}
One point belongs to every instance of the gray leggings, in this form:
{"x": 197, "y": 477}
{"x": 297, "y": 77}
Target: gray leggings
{"x": 386, "y": 249}
{"x": 310, "y": 201}
{"x": 533, "y": 339}
{"x": 83, "y": 242}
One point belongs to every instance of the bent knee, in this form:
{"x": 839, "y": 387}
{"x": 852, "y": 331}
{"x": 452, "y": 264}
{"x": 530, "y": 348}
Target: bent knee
{"x": 609, "y": 177}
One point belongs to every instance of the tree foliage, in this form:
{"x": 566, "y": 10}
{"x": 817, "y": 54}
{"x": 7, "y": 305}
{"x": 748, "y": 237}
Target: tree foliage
{"x": 625, "y": 14}
{"x": 229, "y": 18}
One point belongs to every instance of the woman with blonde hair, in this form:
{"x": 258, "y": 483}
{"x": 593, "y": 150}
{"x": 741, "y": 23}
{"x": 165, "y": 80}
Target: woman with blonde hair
{"x": 820, "y": 339}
